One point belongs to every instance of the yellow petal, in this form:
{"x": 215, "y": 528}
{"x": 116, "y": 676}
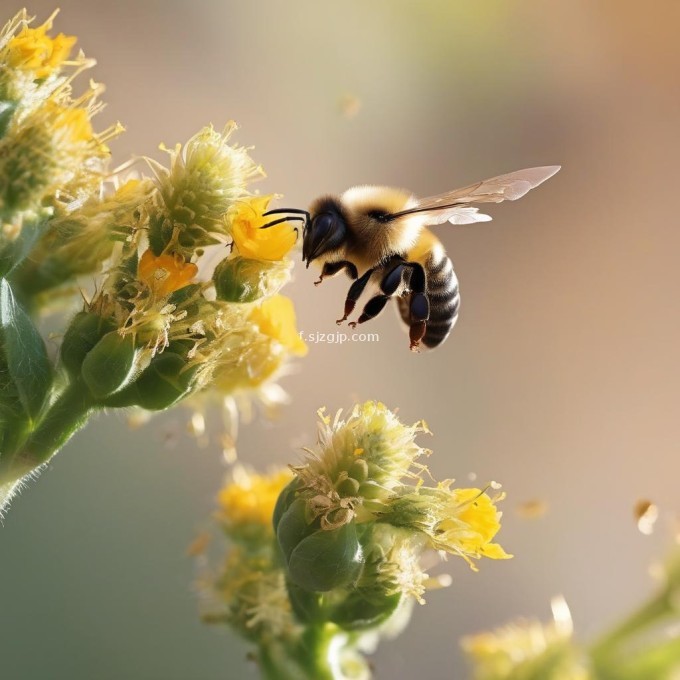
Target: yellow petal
{"x": 276, "y": 318}
{"x": 253, "y": 241}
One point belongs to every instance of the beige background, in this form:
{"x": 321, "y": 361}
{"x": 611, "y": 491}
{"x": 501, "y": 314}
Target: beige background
{"x": 560, "y": 380}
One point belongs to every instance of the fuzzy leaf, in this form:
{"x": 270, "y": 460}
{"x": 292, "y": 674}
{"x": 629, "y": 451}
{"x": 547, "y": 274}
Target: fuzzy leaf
{"x": 23, "y": 354}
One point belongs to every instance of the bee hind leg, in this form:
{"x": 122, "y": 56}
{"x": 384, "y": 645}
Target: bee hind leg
{"x": 419, "y": 306}
{"x": 354, "y": 293}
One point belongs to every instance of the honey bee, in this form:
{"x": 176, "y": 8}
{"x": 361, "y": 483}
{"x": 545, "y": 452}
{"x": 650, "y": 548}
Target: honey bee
{"x": 380, "y": 233}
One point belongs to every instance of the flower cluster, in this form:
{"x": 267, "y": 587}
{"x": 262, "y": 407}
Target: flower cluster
{"x": 347, "y": 545}
{"x": 186, "y": 300}
{"x": 50, "y": 157}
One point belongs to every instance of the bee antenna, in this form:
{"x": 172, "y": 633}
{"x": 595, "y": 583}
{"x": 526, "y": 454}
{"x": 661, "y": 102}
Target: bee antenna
{"x": 281, "y": 211}
{"x": 281, "y": 220}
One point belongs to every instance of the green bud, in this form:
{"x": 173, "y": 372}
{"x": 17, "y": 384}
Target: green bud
{"x": 240, "y": 279}
{"x": 84, "y": 332}
{"x": 359, "y": 470}
{"x": 112, "y": 364}
{"x": 348, "y": 487}
{"x": 293, "y": 527}
{"x": 283, "y": 502}
{"x": 359, "y": 611}
{"x": 327, "y": 559}
{"x": 164, "y": 382}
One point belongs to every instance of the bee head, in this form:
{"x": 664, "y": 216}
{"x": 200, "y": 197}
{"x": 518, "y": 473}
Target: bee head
{"x": 325, "y": 231}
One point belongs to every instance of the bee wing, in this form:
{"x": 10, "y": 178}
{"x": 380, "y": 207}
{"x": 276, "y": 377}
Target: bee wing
{"x": 453, "y": 206}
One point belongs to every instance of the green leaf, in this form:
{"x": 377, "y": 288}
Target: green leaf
{"x": 14, "y": 252}
{"x": 23, "y": 354}
{"x": 7, "y": 109}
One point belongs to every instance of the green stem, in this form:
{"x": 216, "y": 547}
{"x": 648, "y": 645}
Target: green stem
{"x": 276, "y": 663}
{"x": 652, "y": 612}
{"x": 62, "y": 420}
{"x": 311, "y": 659}
{"x": 316, "y": 648}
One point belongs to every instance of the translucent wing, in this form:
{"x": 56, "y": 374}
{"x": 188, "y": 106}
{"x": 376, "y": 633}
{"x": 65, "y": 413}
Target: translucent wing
{"x": 453, "y": 206}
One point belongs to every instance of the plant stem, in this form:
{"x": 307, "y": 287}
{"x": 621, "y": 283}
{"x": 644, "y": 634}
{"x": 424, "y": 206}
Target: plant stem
{"x": 61, "y": 421}
{"x": 652, "y": 612}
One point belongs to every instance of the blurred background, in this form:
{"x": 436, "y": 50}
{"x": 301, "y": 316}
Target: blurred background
{"x": 561, "y": 379}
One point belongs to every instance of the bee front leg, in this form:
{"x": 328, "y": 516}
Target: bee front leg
{"x": 354, "y": 293}
{"x": 333, "y": 268}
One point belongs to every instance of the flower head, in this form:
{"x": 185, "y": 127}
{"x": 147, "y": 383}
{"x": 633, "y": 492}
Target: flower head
{"x": 359, "y": 461}
{"x": 166, "y": 273}
{"x": 246, "y": 504}
{"x": 205, "y": 178}
{"x": 251, "y": 240}
{"x": 458, "y": 521}
{"x": 34, "y": 51}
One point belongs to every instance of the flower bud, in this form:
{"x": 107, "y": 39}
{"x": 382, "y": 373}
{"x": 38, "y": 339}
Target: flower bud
{"x": 163, "y": 382}
{"x": 361, "y": 610}
{"x": 327, "y": 559}
{"x": 85, "y": 331}
{"x": 241, "y": 279}
{"x": 111, "y": 364}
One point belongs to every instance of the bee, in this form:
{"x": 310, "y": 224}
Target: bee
{"x": 381, "y": 234}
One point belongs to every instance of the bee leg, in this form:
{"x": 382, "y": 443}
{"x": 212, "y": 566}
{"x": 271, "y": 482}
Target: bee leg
{"x": 354, "y": 293}
{"x": 389, "y": 284}
{"x": 373, "y": 307}
{"x": 419, "y": 305}
{"x": 333, "y": 268}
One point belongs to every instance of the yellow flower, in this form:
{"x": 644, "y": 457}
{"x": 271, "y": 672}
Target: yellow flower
{"x": 250, "y": 498}
{"x": 249, "y": 237}
{"x": 459, "y": 521}
{"x": 166, "y": 273}
{"x": 465, "y": 523}
{"x": 33, "y": 50}
{"x": 275, "y": 318}
{"x": 72, "y": 125}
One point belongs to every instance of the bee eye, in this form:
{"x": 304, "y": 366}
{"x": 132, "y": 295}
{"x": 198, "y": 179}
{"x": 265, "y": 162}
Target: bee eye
{"x": 323, "y": 224}
{"x": 326, "y": 232}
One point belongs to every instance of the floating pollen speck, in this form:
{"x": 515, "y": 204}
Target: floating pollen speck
{"x": 196, "y": 426}
{"x": 199, "y": 545}
{"x": 349, "y": 105}
{"x": 532, "y": 509}
{"x": 646, "y": 513}
{"x": 228, "y": 448}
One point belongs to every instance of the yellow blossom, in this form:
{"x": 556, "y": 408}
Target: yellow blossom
{"x": 166, "y": 273}
{"x": 465, "y": 522}
{"x": 275, "y": 318}
{"x": 71, "y": 124}
{"x": 249, "y": 237}
{"x": 250, "y": 498}
{"x": 33, "y": 50}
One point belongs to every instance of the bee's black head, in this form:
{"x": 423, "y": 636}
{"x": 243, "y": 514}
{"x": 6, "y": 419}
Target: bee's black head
{"x": 326, "y": 230}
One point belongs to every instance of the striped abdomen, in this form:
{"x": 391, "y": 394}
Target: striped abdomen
{"x": 441, "y": 287}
